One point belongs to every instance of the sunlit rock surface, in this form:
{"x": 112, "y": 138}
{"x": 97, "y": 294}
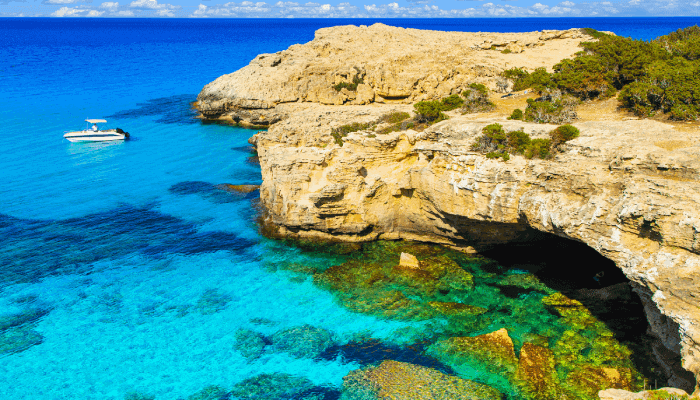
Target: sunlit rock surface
{"x": 628, "y": 189}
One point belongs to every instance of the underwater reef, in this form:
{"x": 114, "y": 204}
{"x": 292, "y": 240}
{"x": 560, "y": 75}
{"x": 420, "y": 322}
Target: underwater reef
{"x": 477, "y": 325}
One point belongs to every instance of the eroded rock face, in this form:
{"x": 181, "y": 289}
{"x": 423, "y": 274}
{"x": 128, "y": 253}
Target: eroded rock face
{"x": 388, "y": 64}
{"x": 628, "y": 189}
{"x": 617, "y": 188}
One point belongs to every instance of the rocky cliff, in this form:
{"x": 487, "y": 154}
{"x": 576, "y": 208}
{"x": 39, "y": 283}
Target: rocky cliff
{"x": 628, "y": 189}
{"x": 386, "y": 64}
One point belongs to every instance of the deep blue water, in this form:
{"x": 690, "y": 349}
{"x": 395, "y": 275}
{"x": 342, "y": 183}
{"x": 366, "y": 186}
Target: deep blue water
{"x": 134, "y": 269}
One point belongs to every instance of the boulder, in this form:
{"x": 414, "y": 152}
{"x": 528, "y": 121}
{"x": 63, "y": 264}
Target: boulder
{"x": 409, "y": 261}
{"x": 304, "y": 341}
{"x": 403, "y": 381}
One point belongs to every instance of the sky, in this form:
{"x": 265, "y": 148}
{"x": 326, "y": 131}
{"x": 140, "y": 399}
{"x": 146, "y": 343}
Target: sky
{"x": 346, "y": 8}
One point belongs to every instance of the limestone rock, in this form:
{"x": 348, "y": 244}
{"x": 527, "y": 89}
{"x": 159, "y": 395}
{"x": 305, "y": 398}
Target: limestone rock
{"x": 612, "y": 188}
{"x": 493, "y": 351}
{"x": 409, "y": 261}
{"x": 365, "y": 94}
{"x": 618, "y": 394}
{"x": 391, "y": 64}
{"x": 536, "y": 370}
{"x": 403, "y": 381}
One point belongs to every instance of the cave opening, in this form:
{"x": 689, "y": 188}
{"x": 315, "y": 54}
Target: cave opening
{"x": 583, "y": 274}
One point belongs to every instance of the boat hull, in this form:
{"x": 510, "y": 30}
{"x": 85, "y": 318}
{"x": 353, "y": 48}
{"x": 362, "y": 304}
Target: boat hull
{"x": 92, "y": 136}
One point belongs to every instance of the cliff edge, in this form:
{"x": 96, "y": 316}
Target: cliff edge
{"x": 630, "y": 189}
{"x": 386, "y": 64}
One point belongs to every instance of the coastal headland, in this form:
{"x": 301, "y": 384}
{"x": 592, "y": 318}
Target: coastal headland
{"x": 628, "y": 188}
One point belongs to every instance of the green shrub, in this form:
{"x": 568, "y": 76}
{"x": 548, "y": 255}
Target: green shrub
{"x": 671, "y": 86}
{"x": 506, "y": 51}
{"x": 395, "y": 117}
{"x": 593, "y": 33}
{"x": 653, "y": 76}
{"x": 683, "y": 42}
{"x": 517, "y": 114}
{"x": 452, "y": 102}
{"x": 480, "y": 88}
{"x": 476, "y": 98}
{"x": 429, "y": 111}
{"x": 553, "y": 110}
{"x": 519, "y": 76}
{"x": 495, "y": 142}
{"x": 563, "y": 134}
{"x": 517, "y": 141}
{"x": 349, "y": 86}
{"x": 538, "y": 148}
{"x": 342, "y": 131}
{"x": 504, "y": 155}
{"x": 583, "y": 77}
{"x": 539, "y": 80}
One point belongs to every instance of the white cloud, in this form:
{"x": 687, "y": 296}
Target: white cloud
{"x": 422, "y": 8}
{"x": 95, "y": 13}
{"x": 152, "y": 5}
{"x": 69, "y": 12}
{"x": 124, "y": 13}
{"x": 110, "y": 5}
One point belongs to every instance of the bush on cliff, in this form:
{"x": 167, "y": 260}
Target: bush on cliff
{"x": 554, "y": 109}
{"x": 563, "y": 134}
{"x": 655, "y": 76}
{"x": 672, "y": 87}
{"x": 349, "y": 86}
{"x": 429, "y": 111}
{"x": 495, "y": 142}
{"x": 517, "y": 114}
{"x": 476, "y": 99}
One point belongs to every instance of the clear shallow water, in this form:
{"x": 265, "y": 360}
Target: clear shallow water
{"x": 141, "y": 271}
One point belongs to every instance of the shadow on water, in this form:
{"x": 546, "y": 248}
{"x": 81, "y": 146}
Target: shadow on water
{"x": 34, "y": 249}
{"x": 372, "y": 351}
{"x": 169, "y": 110}
{"x": 218, "y": 194}
{"x": 583, "y": 274}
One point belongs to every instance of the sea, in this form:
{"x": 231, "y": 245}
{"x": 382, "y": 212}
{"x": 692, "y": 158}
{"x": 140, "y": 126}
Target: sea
{"x": 125, "y": 271}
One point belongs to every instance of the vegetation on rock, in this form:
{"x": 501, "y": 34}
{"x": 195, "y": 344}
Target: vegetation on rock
{"x": 349, "y": 86}
{"x": 554, "y": 109}
{"x": 657, "y": 76}
{"x": 476, "y": 99}
{"x": 495, "y": 142}
{"x": 516, "y": 114}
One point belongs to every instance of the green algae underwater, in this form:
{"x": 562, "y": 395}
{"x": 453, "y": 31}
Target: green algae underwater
{"x": 480, "y": 321}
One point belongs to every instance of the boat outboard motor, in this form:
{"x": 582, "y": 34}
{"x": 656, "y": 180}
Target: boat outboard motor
{"x": 126, "y": 134}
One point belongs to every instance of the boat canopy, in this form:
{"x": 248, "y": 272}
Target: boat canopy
{"x": 95, "y": 121}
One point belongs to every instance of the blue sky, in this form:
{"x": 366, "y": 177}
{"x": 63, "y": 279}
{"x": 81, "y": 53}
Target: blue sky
{"x": 346, "y": 8}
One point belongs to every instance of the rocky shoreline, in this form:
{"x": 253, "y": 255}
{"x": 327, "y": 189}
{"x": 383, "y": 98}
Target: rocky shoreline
{"x": 628, "y": 189}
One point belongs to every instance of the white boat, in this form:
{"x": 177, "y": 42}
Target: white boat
{"x": 93, "y": 134}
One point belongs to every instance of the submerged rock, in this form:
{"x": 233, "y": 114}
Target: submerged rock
{"x": 210, "y": 393}
{"x": 18, "y": 339}
{"x": 240, "y": 189}
{"x": 24, "y": 317}
{"x": 493, "y": 351}
{"x": 273, "y": 387}
{"x": 304, "y": 341}
{"x": 249, "y": 343}
{"x": 212, "y": 301}
{"x": 450, "y": 308}
{"x": 403, "y": 381}
{"x": 537, "y": 373}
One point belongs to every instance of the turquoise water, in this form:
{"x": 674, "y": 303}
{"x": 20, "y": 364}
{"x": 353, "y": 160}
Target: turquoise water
{"x": 122, "y": 267}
